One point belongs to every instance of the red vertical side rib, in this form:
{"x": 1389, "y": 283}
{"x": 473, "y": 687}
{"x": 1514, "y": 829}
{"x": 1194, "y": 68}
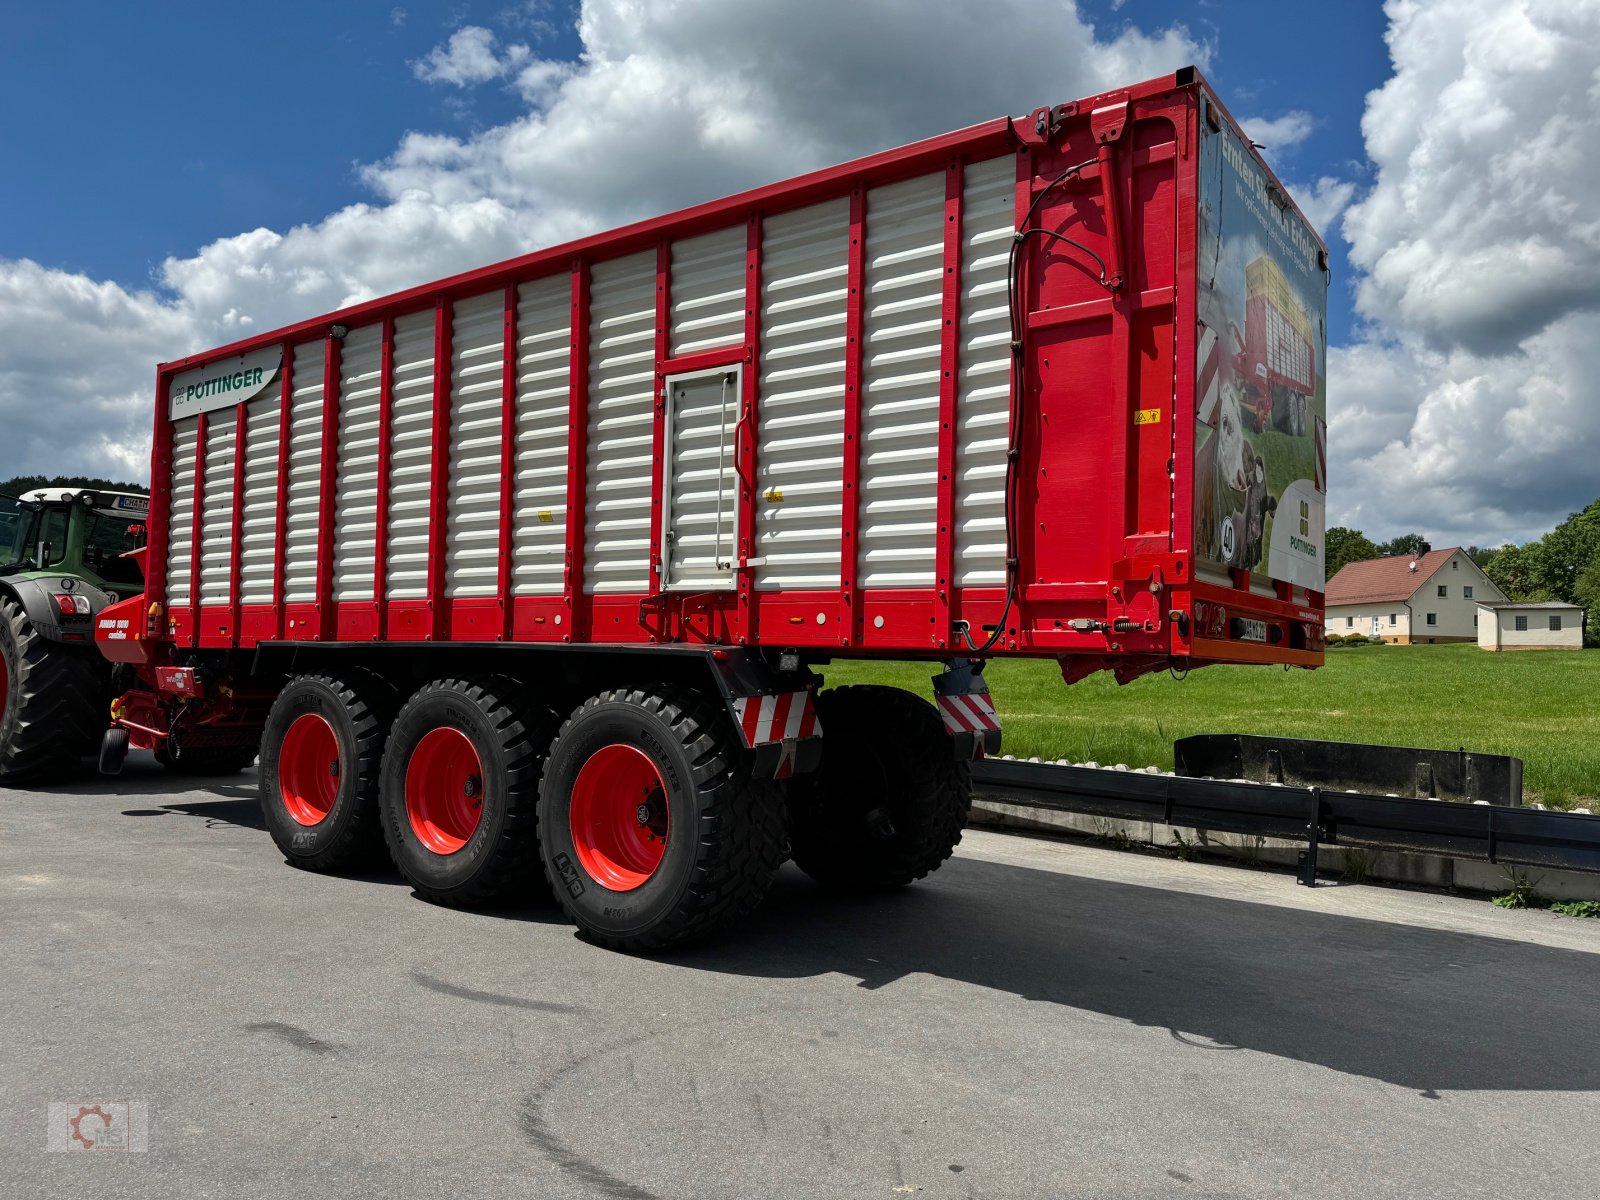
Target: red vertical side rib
{"x": 380, "y": 555}
{"x": 280, "y": 531}
{"x": 577, "y": 451}
{"x": 749, "y": 432}
{"x": 439, "y": 473}
{"x": 855, "y": 280}
{"x": 949, "y": 342}
{"x": 158, "y": 525}
{"x": 236, "y": 546}
{"x": 508, "y": 460}
{"x": 202, "y": 423}
{"x": 328, "y": 486}
{"x": 658, "y": 433}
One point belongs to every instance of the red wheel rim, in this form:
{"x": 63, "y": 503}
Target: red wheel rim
{"x": 308, "y": 769}
{"x": 619, "y": 817}
{"x": 444, "y": 790}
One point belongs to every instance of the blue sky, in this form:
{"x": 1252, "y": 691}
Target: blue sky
{"x": 141, "y": 161}
{"x": 183, "y": 174}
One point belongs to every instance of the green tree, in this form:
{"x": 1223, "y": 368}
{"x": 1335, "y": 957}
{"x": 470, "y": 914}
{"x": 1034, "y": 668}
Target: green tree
{"x": 1406, "y": 543}
{"x": 1586, "y": 591}
{"x": 1517, "y": 570}
{"x": 18, "y": 484}
{"x": 1347, "y": 546}
{"x": 1567, "y": 550}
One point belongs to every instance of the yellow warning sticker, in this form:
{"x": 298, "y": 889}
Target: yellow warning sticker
{"x": 546, "y": 517}
{"x": 772, "y": 496}
{"x": 1147, "y": 416}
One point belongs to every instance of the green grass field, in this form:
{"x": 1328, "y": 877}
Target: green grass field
{"x": 1543, "y": 707}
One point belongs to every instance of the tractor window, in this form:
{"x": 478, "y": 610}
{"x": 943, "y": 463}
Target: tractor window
{"x": 16, "y": 531}
{"x": 53, "y": 533}
{"x": 106, "y": 539}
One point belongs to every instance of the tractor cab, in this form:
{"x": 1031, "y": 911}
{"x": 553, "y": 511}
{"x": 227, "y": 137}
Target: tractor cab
{"x": 77, "y": 532}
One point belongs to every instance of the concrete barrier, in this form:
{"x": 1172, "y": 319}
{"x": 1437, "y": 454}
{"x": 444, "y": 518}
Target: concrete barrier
{"x": 1353, "y": 862}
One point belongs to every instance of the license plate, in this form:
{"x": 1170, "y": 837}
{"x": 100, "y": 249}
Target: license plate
{"x": 133, "y": 504}
{"x": 1247, "y": 629}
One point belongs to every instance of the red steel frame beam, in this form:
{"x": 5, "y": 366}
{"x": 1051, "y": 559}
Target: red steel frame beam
{"x": 439, "y": 472}
{"x": 280, "y": 532}
{"x": 855, "y": 281}
{"x": 949, "y": 347}
{"x": 236, "y": 546}
{"x": 749, "y": 433}
{"x": 508, "y": 460}
{"x": 202, "y": 423}
{"x": 332, "y": 360}
{"x": 380, "y": 544}
{"x": 577, "y": 452}
{"x": 658, "y": 448}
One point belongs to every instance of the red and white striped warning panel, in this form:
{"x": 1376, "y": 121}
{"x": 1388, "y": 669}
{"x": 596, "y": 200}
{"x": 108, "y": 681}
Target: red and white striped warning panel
{"x": 777, "y": 718}
{"x": 968, "y": 713}
{"x": 1208, "y": 383}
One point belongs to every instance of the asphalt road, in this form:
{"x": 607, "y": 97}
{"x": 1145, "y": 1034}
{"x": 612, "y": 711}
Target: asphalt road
{"x": 1038, "y": 1019}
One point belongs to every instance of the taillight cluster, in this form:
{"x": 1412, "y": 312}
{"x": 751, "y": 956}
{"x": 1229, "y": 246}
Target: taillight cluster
{"x": 1210, "y": 620}
{"x": 71, "y": 604}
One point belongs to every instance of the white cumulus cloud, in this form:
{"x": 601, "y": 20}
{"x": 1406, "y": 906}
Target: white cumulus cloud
{"x": 470, "y": 57}
{"x": 1469, "y": 410}
{"x": 1279, "y": 133}
{"x": 667, "y": 105}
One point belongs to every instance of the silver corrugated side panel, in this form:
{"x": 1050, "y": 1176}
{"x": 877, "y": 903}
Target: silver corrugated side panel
{"x": 539, "y": 497}
{"x": 305, "y": 475}
{"x": 988, "y": 217}
{"x": 355, "y": 528}
{"x": 621, "y": 425}
{"x": 707, "y": 293}
{"x": 900, "y": 383}
{"x": 410, "y": 456}
{"x": 477, "y": 388}
{"x": 216, "y": 510}
{"x": 180, "y": 518}
{"x": 800, "y": 414}
{"x": 259, "y": 539}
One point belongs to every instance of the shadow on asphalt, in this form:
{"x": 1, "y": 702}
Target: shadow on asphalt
{"x": 1425, "y": 1009}
{"x": 1421, "y": 1008}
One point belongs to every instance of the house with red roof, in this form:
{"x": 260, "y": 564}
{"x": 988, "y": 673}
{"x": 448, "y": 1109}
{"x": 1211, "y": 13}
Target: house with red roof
{"x": 1411, "y": 598}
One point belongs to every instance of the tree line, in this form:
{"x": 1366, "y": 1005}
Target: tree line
{"x": 18, "y": 484}
{"x": 1563, "y": 565}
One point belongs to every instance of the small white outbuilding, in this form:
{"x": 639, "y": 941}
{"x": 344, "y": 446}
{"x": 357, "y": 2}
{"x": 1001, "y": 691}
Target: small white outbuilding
{"x": 1535, "y": 626}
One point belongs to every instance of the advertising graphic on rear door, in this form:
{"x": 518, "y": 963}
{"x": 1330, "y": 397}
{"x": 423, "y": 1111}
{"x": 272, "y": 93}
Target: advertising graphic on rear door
{"x": 1261, "y": 401}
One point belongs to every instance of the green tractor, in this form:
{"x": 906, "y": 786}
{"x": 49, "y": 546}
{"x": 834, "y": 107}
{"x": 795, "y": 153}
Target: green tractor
{"x": 63, "y": 558}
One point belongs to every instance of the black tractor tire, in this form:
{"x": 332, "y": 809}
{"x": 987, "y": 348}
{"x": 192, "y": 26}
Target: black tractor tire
{"x": 326, "y": 818}
{"x": 490, "y": 857}
{"x": 889, "y": 801}
{"x": 722, "y": 829}
{"x": 52, "y": 701}
{"x": 200, "y": 761}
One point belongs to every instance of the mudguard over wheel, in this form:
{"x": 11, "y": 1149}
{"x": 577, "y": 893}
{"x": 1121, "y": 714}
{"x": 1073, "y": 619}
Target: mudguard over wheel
{"x": 51, "y": 701}
{"x": 651, "y": 829}
{"x": 460, "y": 780}
{"x": 320, "y": 756}
{"x": 890, "y": 800}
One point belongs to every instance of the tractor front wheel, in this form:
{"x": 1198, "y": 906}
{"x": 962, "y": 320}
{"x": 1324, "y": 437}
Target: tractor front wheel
{"x": 51, "y": 701}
